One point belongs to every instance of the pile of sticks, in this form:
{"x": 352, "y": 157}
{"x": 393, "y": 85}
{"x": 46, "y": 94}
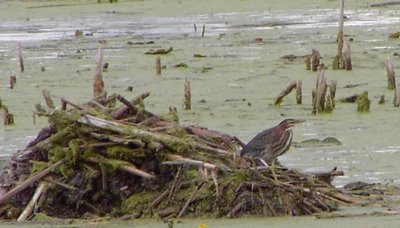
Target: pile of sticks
{"x": 104, "y": 159}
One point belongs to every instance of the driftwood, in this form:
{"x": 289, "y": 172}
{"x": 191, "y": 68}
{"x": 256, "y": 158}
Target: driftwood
{"x": 47, "y": 98}
{"x": 190, "y": 200}
{"x": 391, "y": 3}
{"x": 178, "y": 160}
{"x": 124, "y": 110}
{"x": 30, "y": 181}
{"x": 159, "y": 51}
{"x": 125, "y": 167}
{"x": 295, "y": 84}
{"x": 29, "y": 208}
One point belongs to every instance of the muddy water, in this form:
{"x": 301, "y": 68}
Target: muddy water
{"x": 232, "y": 87}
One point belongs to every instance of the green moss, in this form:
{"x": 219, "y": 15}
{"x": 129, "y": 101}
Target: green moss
{"x": 98, "y": 113}
{"x": 74, "y": 149}
{"x": 123, "y": 152}
{"x": 41, "y": 217}
{"x": 237, "y": 177}
{"x": 382, "y": 99}
{"x": 139, "y": 203}
{"x": 66, "y": 170}
{"x": 171, "y": 116}
{"x": 335, "y": 63}
{"x": 363, "y": 103}
{"x": 58, "y": 153}
{"x": 63, "y": 119}
{"x": 113, "y": 163}
{"x": 191, "y": 174}
{"x": 38, "y": 166}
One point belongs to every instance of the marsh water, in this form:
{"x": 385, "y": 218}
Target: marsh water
{"x": 233, "y": 85}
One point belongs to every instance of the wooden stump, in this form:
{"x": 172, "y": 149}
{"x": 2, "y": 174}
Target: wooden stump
{"x": 21, "y": 59}
{"x": 295, "y": 84}
{"x": 315, "y": 57}
{"x": 346, "y": 56}
{"x": 158, "y": 65}
{"x": 8, "y": 118}
{"x": 390, "y": 73}
{"x": 321, "y": 102}
{"x": 396, "y": 101}
{"x": 98, "y": 83}
{"x": 187, "y": 98}
{"x": 13, "y": 80}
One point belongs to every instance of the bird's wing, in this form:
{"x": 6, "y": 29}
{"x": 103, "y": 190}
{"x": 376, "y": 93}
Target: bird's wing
{"x": 257, "y": 144}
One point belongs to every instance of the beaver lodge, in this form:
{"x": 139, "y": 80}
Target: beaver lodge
{"x": 118, "y": 159}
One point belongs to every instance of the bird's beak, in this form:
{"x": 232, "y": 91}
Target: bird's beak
{"x": 299, "y": 121}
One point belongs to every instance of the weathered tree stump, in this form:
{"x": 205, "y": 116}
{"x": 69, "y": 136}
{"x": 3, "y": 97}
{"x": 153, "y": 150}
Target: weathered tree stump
{"x": 315, "y": 57}
{"x": 158, "y": 65}
{"x": 13, "y": 80}
{"x": 295, "y": 84}
{"x": 322, "y": 102}
{"x": 21, "y": 59}
{"x": 187, "y": 103}
{"x": 346, "y": 56}
{"x": 342, "y": 59}
{"x": 98, "y": 83}
{"x": 390, "y": 73}
{"x": 396, "y": 101}
{"x": 8, "y": 118}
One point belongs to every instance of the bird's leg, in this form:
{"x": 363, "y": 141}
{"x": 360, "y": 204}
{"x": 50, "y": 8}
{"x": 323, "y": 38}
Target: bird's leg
{"x": 272, "y": 168}
{"x": 253, "y": 161}
{"x": 263, "y": 161}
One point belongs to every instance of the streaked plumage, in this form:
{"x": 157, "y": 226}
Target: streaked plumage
{"x": 271, "y": 143}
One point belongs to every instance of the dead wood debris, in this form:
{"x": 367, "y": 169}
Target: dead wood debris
{"x": 390, "y": 3}
{"x": 295, "y": 84}
{"x": 98, "y": 158}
